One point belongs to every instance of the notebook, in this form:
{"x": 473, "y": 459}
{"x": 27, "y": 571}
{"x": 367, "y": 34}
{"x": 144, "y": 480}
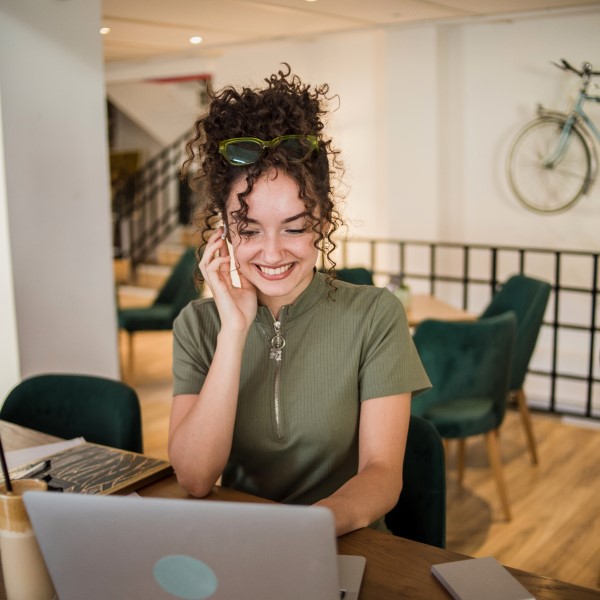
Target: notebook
{"x": 98, "y": 547}
{"x": 477, "y": 578}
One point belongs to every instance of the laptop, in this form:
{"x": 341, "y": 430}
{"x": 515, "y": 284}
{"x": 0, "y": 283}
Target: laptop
{"x": 98, "y": 547}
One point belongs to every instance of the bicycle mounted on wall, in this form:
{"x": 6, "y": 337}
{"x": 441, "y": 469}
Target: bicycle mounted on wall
{"x": 553, "y": 160}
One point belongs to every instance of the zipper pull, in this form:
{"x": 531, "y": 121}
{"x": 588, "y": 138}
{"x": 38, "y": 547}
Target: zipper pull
{"x": 277, "y": 342}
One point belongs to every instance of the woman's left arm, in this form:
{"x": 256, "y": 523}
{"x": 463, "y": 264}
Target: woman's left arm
{"x": 375, "y": 489}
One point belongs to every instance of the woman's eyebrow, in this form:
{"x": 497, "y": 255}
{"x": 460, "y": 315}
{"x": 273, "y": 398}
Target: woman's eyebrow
{"x": 295, "y": 217}
{"x": 288, "y": 220}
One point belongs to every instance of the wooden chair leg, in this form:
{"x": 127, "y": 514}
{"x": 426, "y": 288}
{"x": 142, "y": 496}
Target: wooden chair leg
{"x": 460, "y": 461}
{"x": 526, "y": 420}
{"x": 491, "y": 440}
{"x": 446, "y": 443}
{"x": 130, "y": 355}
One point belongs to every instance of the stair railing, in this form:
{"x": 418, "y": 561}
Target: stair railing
{"x": 147, "y": 207}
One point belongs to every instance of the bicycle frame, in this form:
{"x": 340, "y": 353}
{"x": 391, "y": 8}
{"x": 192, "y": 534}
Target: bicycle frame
{"x": 578, "y": 119}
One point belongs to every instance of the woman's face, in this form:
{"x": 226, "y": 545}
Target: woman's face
{"x": 276, "y": 251}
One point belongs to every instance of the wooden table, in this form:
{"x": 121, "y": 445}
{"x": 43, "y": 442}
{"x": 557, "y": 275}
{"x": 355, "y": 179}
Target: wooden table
{"x": 424, "y": 307}
{"x": 396, "y": 568}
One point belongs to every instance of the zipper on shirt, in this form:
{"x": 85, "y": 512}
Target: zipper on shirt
{"x": 275, "y": 353}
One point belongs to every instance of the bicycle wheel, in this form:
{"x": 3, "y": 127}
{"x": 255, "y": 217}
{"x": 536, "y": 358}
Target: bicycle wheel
{"x": 545, "y": 187}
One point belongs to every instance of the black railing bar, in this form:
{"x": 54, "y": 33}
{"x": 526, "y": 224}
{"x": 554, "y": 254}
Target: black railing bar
{"x": 555, "y": 322}
{"x": 465, "y": 278}
{"x": 574, "y": 327}
{"x": 432, "y": 258}
{"x": 401, "y": 247}
{"x": 594, "y": 292}
{"x": 443, "y": 278}
{"x": 521, "y": 261}
{"x": 459, "y": 245}
{"x": 494, "y": 270}
{"x": 477, "y": 280}
{"x": 569, "y": 376}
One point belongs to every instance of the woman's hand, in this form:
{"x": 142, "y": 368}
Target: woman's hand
{"x": 237, "y": 306}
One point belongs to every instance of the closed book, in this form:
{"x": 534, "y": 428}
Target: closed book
{"x": 479, "y": 579}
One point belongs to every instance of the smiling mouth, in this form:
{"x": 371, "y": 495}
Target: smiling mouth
{"x": 275, "y": 271}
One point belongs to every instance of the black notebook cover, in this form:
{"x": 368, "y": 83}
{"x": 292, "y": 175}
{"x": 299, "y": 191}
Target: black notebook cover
{"x": 94, "y": 469}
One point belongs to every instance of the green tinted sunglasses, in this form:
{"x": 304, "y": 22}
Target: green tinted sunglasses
{"x": 243, "y": 151}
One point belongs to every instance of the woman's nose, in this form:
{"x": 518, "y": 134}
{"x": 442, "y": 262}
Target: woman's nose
{"x": 273, "y": 249}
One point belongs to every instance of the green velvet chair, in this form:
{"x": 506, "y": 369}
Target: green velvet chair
{"x": 103, "y": 411}
{"x": 468, "y": 364}
{"x": 527, "y": 298}
{"x": 420, "y": 513}
{"x": 356, "y": 275}
{"x": 177, "y": 292}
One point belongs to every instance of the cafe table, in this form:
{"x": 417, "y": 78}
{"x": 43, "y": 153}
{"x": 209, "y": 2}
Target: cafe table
{"x": 423, "y": 306}
{"x": 396, "y": 568}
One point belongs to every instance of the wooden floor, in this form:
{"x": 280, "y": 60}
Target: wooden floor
{"x": 555, "y": 530}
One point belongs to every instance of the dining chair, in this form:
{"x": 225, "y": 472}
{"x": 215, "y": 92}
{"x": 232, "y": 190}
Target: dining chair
{"x": 420, "y": 513}
{"x": 177, "y": 292}
{"x": 468, "y": 364}
{"x": 527, "y": 298}
{"x": 103, "y": 411}
{"x": 356, "y": 275}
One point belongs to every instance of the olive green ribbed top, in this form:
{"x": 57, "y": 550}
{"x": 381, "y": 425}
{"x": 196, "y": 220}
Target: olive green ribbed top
{"x": 296, "y": 429}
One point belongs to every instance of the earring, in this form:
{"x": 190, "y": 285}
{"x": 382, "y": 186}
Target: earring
{"x": 325, "y": 246}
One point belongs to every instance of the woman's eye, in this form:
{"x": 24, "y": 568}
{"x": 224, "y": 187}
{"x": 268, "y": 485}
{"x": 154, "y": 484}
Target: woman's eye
{"x": 248, "y": 233}
{"x": 296, "y": 231}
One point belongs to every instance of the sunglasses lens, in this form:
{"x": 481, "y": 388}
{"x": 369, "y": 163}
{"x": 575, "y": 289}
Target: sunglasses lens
{"x": 243, "y": 153}
{"x": 297, "y": 148}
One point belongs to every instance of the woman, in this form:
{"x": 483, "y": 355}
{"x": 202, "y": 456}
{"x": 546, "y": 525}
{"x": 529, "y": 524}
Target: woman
{"x": 290, "y": 385}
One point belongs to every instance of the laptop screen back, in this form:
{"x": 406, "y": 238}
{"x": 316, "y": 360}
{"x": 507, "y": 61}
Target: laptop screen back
{"x": 99, "y": 547}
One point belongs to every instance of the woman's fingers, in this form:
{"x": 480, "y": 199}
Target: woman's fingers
{"x": 215, "y": 263}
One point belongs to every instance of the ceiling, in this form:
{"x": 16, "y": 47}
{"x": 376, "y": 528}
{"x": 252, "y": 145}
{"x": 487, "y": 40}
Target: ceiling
{"x": 141, "y": 29}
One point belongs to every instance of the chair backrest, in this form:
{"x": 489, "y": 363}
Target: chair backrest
{"x": 180, "y": 289}
{"x": 527, "y": 298}
{"x": 356, "y": 275}
{"x": 466, "y": 359}
{"x": 420, "y": 513}
{"x": 101, "y": 410}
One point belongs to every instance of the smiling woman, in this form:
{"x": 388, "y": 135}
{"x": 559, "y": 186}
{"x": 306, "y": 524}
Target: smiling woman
{"x": 292, "y": 386}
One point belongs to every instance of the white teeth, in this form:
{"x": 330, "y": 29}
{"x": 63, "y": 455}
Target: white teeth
{"x": 277, "y": 271}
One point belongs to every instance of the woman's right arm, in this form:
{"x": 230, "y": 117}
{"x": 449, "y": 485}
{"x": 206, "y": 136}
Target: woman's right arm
{"x": 201, "y": 425}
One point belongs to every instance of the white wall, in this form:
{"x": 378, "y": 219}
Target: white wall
{"x": 57, "y": 187}
{"x": 9, "y": 348}
{"x": 426, "y": 116}
{"x": 506, "y": 71}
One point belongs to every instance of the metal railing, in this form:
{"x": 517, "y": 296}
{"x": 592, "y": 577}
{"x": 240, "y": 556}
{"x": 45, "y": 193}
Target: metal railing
{"x": 564, "y": 375}
{"x": 146, "y": 207}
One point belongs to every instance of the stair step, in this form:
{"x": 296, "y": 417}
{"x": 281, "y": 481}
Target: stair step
{"x": 122, "y": 270}
{"x": 133, "y": 296}
{"x": 169, "y": 253}
{"x": 152, "y": 276}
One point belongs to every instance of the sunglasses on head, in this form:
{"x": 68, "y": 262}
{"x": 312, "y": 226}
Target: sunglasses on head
{"x": 243, "y": 151}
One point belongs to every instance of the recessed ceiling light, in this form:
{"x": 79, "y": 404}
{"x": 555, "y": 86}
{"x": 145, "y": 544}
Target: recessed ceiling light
{"x": 104, "y": 30}
{"x": 196, "y": 39}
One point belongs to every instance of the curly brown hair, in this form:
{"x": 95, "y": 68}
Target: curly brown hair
{"x": 285, "y": 106}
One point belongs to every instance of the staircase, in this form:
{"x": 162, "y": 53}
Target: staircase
{"x": 139, "y": 287}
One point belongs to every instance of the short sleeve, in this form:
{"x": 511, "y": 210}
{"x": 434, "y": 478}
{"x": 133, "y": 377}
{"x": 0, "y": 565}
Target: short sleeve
{"x": 390, "y": 363}
{"x": 194, "y": 340}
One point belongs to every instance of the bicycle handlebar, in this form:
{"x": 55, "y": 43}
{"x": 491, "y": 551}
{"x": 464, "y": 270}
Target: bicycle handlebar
{"x": 586, "y": 68}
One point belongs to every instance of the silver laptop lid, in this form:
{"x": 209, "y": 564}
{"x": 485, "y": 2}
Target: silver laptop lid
{"x": 99, "y": 547}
